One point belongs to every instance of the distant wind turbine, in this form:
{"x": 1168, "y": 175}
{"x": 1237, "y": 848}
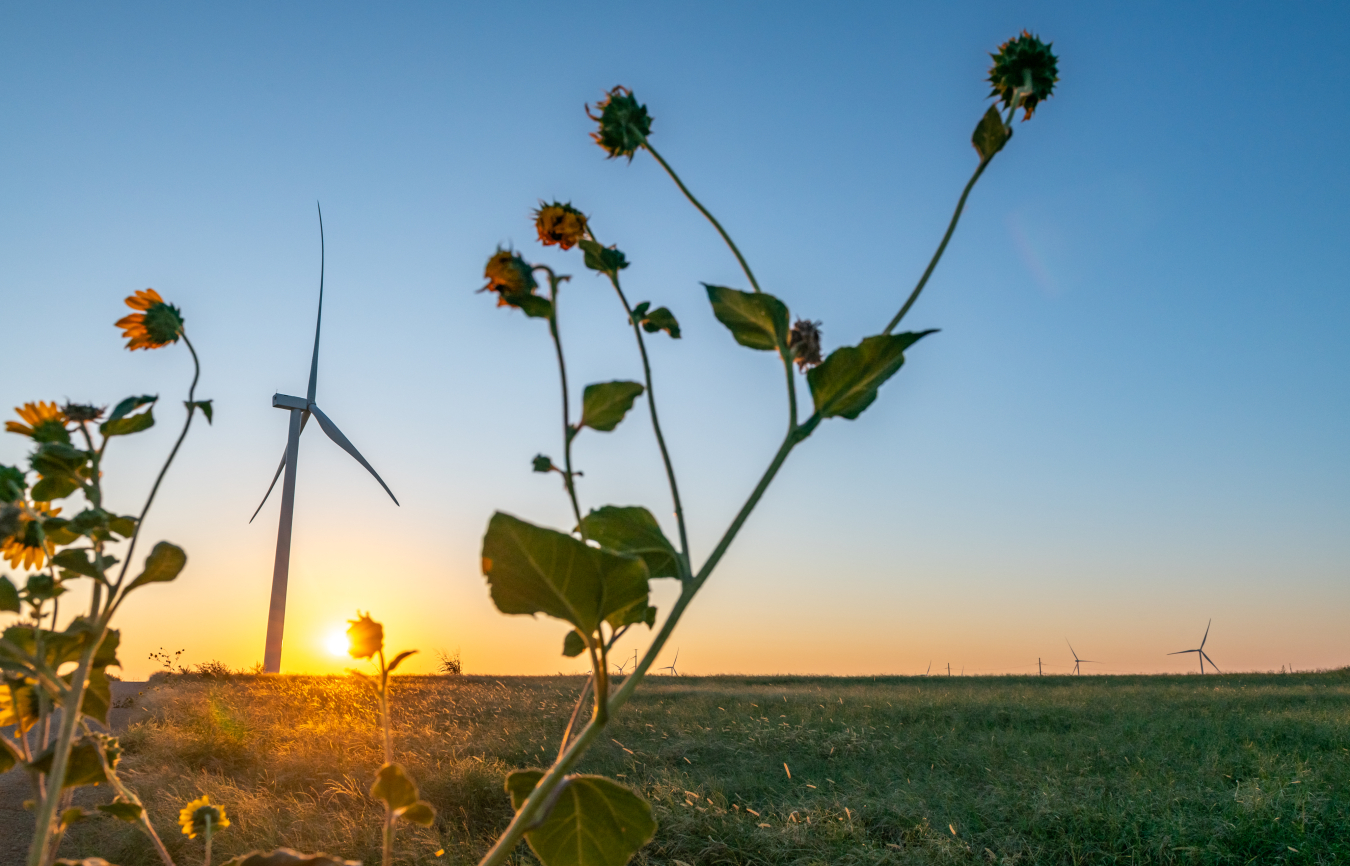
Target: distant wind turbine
{"x": 1200, "y": 651}
{"x": 671, "y": 667}
{"x": 1077, "y": 661}
{"x": 300, "y": 408}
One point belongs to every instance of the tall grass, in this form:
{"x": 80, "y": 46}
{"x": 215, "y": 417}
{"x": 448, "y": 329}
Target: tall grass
{"x": 1215, "y": 769}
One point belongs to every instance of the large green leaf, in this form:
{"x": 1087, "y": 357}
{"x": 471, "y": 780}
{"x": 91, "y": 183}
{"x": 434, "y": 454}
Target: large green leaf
{"x": 847, "y": 382}
{"x": 755, "y": 319}
{"x": 606, "y": 260}
{"x": 594, "y": 821}
{"x": 128, "y": 425}
{"x": 78, "y": 560}
{"x": 532, "y": 570}
{"x": 632, "y": 529}
{"x": 574, "y": 644}
{"x": 163, "y": 564}
{"x": 990, "y": 134}
{"x": 61, "y": 647}
{"x": 84, "y": 766}
{"x": 97, "y": 698}
{"x": 395, "y": 787}
{"x": 123, "y": 810}
{"x": 55, "y": 487}
{"x": 9, "y": 596}
{"x": 604, "y": 404}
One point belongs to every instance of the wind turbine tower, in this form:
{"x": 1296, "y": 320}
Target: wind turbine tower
{"x": 1200, "y": 651}
{"x": 1077, "y": 661}
{"x": 301, "y": 408}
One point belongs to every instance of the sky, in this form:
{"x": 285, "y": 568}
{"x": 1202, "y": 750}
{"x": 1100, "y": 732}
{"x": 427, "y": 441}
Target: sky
{"x": 1134, "y": 419}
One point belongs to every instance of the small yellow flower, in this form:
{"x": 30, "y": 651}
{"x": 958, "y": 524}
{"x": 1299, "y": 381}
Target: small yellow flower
{"x": 158, "y": 325}
{"x": 560, "y": 224}
{"x": 195, "y": 814}
{"x": 46, "y": 422}
{"x": 365, "y": 636}
{"x": 28, "y": 548}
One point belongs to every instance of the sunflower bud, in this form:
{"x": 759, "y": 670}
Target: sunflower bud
{"x": 804, "y": 341}
{"x": 200, "y": 816}
{"x": 365, "y": 636}
{"x": 541, "y": 463}
{"x": 82, "y": 412}
{"x": 624, "y": 124}
{"x": 1024, "y": 67}
{"x": 560, "y": 224}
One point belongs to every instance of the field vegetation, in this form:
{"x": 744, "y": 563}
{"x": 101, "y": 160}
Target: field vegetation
{"x": 1187, "y": 769}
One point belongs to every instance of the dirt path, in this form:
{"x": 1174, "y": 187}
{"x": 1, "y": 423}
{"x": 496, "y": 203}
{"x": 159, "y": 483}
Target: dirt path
{"x": 16, "y": 823}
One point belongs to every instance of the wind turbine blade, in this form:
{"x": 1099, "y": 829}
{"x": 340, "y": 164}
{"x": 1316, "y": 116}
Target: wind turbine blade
{"x": 303, "y": 421}
{"x": 1183, "y": 652}
{"x": 1211, "y": 661}
{"x": 1072, "y": 650}
{"x": 1206, "y": 637}
{"x": 336, "y": 435}
{"x": 314, "y": 364}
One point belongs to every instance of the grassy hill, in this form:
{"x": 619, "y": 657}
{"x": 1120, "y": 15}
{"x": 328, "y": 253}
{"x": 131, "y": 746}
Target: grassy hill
{"x": 1178, "y": 769}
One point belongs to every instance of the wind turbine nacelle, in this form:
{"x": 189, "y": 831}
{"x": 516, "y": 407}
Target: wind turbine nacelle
{"x": 286, "y": 401}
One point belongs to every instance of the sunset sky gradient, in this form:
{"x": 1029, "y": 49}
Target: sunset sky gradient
{"x": 1135, "y": 417}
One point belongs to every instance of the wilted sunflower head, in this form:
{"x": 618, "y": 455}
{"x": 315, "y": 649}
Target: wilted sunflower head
{"x": 78, "y": 413}
{"x": 195, "y": 816}
{"x": 45, "y": 422}
{"x": 158, "y": 325}
{"x": 508, "y": 275}
{"x": 365, "y": 636}
{"x": 624, "y": 124}
{"x": 804, "y": 341}
{"x": 560, "y": 224}
{"x": 1026, "y": 63}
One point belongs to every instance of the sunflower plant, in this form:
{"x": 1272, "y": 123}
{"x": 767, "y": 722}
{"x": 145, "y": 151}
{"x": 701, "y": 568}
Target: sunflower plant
{"x": 50, "y": 661}
{"x": 595, "y": 575}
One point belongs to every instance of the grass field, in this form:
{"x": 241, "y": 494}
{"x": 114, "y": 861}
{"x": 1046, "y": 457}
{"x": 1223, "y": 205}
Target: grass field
{"x": 1216, "y": 769}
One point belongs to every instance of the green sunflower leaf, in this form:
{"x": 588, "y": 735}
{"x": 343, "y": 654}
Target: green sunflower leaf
{"x": 533, "y": 570}
{"x": 203, "y": 405}
{"x": 755, "y": 319}
{"x": 122, "y": 811}
{"x": 574, "y": 644}
{"x": 606, "y": 260}
{"x": 78, "y": 560}
{"x": 9, "y": 596}
{"x": 990, "y": 134}
{"x": 130, "y": 424}
{"x": 604, "y": 404}
{"x": 162, "y": 565}
{"x": 661, "y": 319}
{"x": 847, "y": 382}
{"x": 633, "y": 530}
{"x": 130, "y": 404}
{"x": 594, "y": 821}
{"x": 394, "y": 787}
{"x": 83, "y": 767}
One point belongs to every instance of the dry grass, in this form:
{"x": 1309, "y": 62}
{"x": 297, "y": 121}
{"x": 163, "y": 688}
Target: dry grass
{"x": 1231, "y": 769}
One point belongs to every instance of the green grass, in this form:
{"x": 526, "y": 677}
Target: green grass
{"x": 1216, "y": 769}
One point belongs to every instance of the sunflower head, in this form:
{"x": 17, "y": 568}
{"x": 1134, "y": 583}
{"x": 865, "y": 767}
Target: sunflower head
{"x": 365, "y": 636}
{"x": 158, "y": 324}
{"x": 44, "y": 422}
{"x": 24, "y": 544}
{"x": 78, "y": 413}
{"x": 200, "y": 816}
{"x": 560, "y": 224}
{"x": 13, "y": 483}
{"x": 804, "y": 341}
{"x": 624, "y": 123}
{"x": 508, "y": 275}
{"x": 1027, "y": 64}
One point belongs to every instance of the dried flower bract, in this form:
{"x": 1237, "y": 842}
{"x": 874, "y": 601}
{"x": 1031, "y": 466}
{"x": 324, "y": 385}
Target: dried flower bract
{"x": 560, "y": 224}
{"x": 624, "y": 124}
{"x": 804, "y": 341}
{"x": 1024, "y": 63}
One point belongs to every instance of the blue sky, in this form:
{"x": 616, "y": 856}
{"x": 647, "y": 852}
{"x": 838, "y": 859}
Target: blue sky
{"x": 1134, "y": 418}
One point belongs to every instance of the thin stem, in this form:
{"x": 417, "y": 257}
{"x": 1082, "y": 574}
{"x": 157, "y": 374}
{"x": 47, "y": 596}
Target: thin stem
{"x": 576, "y": 711}
{"x": 569, "y": 477}
{"x": 207, "y": 861}
{"x": 656, "y": 426}
{"x": 140, "y": 521}
{"x": 388, "y": 847}
{"x": 951, "y": 227}
{"x": 745, "y": 266}
{"x": 130, "y": 796}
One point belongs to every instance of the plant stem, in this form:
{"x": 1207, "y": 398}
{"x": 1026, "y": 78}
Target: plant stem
{"x": 388, "y": 848}
{"x": 703, "y": 210}
{"x": 951, "y": 227}
{"x": 656, "y": 426}
{"x": 129, "y": 795}
{"x": 140, "y": 521}
{"x": 568, "y": 432}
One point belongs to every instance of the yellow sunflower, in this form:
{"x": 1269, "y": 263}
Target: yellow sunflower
{"x": 560, "y": 224}
{"x": 27, "y": 549}
{"x": 158, "y": 325}
{"x": 194, "y": 817}
{"x": 45, "y": 422}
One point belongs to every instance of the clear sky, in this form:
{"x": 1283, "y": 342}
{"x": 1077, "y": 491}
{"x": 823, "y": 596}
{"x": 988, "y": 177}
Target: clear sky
{"x": 1135, "y": 418}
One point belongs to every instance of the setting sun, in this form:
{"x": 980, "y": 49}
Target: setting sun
{"x": 337, "y": 643}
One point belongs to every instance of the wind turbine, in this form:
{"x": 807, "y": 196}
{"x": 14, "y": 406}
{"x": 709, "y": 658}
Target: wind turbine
{"x": 1076, "y": 660}
{"x": 671, "y": 667}
{"x": 300, "y": 408}
{"x": 1200, "y": 651}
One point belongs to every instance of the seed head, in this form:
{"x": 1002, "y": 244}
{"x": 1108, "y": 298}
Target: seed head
{"x": 560, "y": 224}
{"x": 82, "y": 412}
{"x": 804, "y": 341}
{"x": 365, "y": 636}
{"x": 1026, "y": 63}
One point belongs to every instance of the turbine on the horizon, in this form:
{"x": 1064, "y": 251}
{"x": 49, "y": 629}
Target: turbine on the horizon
{"x": 300, "y": 408}
{"x": 671, "y": 667}
{"x": 1200, "y": 651}
{"x": 1077, "y": 661}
